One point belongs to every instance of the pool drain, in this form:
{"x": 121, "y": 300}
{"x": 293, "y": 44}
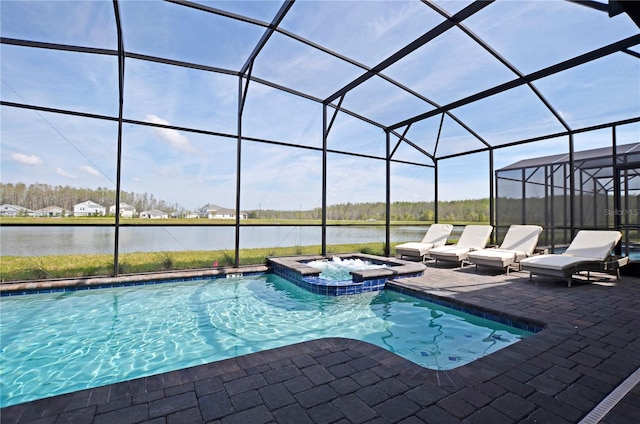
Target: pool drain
{"x": 607, "y": 404}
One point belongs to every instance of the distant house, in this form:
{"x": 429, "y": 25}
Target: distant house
{"x": 218, "y": 212}
{"x": 14, "y": 210}
{"x": 208, "y": 210}
{"x": 154, "y": 214}
{"x": 51, "y": 211}
{"x": 89, "y": 208}
{"x": 126, "y": 210}
{"x": 228, "y": 214}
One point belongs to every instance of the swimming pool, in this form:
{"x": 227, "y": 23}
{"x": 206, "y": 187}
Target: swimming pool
{"x": 61, "y": 342}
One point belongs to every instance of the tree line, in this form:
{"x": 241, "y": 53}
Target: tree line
{"x": 474, "y": 210}
{"x": 39, "y": 196}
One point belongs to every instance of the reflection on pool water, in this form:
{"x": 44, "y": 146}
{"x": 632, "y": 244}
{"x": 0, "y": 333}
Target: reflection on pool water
{"x": 66, "y": 341}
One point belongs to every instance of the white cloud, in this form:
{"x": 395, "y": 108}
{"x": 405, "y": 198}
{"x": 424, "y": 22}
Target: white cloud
{"x": 567, "y": 116}
{"x": 27, "y": 159}
{"x": 173, "y": 137}
{"x": 89, "y": 170}
{"x": 64, "y": 173}
{"x": 383, "y": 25}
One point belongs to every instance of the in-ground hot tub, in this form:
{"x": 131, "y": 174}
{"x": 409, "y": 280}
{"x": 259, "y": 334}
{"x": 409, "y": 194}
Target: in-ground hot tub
{"x": 296, "y": 270}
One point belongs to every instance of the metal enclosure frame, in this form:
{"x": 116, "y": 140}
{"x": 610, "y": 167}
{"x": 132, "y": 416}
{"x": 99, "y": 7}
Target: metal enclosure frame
{"x": 396, "y": 133}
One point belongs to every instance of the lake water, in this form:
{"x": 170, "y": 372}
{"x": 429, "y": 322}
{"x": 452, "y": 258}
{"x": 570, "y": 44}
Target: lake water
{"x": 40, "y": 241}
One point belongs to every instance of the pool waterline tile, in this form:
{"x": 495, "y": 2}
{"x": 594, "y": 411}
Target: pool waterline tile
{"x": 295, "y": 269}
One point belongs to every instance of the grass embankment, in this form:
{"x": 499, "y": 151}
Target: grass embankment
{"x": 20, "y": 268}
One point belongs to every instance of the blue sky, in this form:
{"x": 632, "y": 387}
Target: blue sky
{"x": 193, "y": 169}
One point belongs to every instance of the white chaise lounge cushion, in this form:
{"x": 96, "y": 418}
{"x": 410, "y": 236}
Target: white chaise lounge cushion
{"x": 436, "y": 235}
{"x": 473, "y": 237}
{"x": 450, "y": 253}
{"x": 519, "y": 243}
{"x": 414, "y": 248}
{"x": 587, "y": 246}
{"x": 497, "y": 257}
{"x": 553, "y": 262}
{"x": 593, "y": 244}
{"x": 522, "y": 238}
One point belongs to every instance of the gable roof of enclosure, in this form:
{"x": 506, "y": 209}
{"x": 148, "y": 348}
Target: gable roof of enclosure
{"x": 585, "y": 155}
{"x": 446, "y": 78}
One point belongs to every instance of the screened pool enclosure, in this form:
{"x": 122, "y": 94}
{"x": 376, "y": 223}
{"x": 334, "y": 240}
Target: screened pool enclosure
{"x": 606, "y": 194}
{"x": 243, "y": 127}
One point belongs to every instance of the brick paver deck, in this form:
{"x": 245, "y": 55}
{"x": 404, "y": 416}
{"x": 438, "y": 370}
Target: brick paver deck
{"x": 591, "y": 344}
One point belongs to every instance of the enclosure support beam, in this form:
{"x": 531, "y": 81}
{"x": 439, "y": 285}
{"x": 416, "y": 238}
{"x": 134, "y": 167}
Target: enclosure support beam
{"x": 435, "y": 148}
{"x": 565, "y": 201}
{"x": 324, "y": 178}
{"x": 504, "y": 61}
{"x": 595, "y": 202}
{"x": 523, "y": 213}
{"x": 435, "y": 191}
{"x": 414, "y": 45}
{"x": 387, "y": 235}
{"x": 492, "y": 203}
{"x": 551, "y": 70}
{"x": 617, "y": 201}
{"x": 572, "y": 188}
{"x": 404, "y": 133}
{"x": 552, "y": 209}
{"x": 267, "y": 34}
{"x": 334, "y": 116}
{"x": 238, "y": 171}
{"x": 121, "y": 57}
{"x": 546, "y": 204}
{"x": 243, "y": 99}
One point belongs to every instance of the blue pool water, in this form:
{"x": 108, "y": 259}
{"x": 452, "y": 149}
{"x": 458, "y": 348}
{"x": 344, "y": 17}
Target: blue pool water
{"x": 66, "y": 341}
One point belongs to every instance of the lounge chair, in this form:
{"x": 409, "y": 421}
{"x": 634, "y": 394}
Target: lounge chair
{"x": 473, "y": 237}
{"x": 436, "y": 236}
{"x": 588, "y": 251}
{"x": 519, "y": 243}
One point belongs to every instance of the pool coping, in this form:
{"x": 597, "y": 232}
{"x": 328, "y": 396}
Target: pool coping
{"x": 15, "y": 288}
{"x": 400, "y": 267}
{"x": 518, "y": 321}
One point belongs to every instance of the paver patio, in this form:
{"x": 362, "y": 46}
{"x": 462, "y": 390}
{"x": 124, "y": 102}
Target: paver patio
{"x": 590, "y": 345}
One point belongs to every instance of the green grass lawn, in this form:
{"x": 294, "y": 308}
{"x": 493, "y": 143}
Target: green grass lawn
{"x": 21, "y": 268}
